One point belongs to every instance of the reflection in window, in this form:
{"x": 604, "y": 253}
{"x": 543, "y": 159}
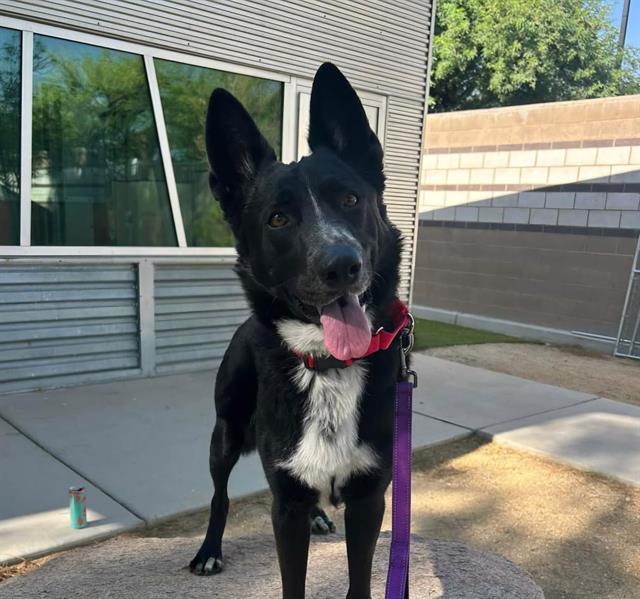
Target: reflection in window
{"x": 10, "y": 94}
{"x": 185, "y": 92}
{"x": 97, "y": 171}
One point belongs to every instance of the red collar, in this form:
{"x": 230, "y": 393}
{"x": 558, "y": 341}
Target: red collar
{"x": 380, "y": 340}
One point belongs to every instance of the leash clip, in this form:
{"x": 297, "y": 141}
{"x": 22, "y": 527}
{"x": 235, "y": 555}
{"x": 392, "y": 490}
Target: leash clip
{"x": 407, "y": 339}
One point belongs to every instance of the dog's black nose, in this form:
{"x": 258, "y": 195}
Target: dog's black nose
{"x": 342, "y": 266}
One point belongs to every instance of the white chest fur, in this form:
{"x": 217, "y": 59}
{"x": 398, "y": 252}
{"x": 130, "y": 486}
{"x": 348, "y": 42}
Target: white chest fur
{"x": 328, "y": 452}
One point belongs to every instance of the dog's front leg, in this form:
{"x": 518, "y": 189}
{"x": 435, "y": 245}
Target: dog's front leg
{"x": 292, "y": 531}
{"x": 363, "y": 519}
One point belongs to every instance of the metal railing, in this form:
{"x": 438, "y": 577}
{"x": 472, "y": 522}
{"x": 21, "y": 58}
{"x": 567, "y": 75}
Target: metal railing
{"x": 628, "y": 341}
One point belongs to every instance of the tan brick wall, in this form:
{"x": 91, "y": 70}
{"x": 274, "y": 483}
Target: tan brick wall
{"x": 568, "y": 281}
{"x": 531, "y": 213}
{"x": 557, "y": 164}
{"x": 580, "y": 120}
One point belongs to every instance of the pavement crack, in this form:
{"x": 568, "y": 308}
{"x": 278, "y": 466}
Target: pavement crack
{"x": 549, "y": 411}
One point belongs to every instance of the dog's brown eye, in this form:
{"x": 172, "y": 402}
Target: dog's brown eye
{"x": 350, "y": 200}
{"x": 278, "y": 220}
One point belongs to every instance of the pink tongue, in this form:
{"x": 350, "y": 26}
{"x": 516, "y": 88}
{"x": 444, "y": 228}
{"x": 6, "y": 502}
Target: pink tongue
{"x": 347, "y": 332}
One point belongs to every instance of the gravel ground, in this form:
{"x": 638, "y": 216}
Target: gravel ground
{"x": 569, "y": 367}
{"x": 151, "y": 568}
{"x": 575, "y": 533}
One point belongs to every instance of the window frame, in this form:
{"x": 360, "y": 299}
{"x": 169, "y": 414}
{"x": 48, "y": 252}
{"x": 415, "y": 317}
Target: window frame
{"x": 291, "y": 86}
{"x": 369, "y": 100}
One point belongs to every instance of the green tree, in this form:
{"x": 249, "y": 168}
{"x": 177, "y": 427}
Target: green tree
{"x": 9, "y": 136}
{"x": 94, "y": 99}
{"x": 185, "y": 92}
{"x": 9, "y": 113}
{"x": 504, "y": 52}
{"x": 96, "y": 157}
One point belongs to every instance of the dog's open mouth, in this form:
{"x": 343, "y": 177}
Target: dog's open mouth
{"x": 346, "y": 328}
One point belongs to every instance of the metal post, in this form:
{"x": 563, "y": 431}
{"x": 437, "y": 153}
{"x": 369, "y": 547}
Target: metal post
{"x": 634, "y": 279}
{"x": 147, "y": 317}
{"x": 634, "y": 336}
{"x": 624, "y": 22}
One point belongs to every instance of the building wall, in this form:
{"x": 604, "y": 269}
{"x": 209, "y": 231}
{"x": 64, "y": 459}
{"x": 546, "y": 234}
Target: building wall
{"x": 531, "y": 213}
{"x": 177, "y": 311}
{"x": 381, "y": 47}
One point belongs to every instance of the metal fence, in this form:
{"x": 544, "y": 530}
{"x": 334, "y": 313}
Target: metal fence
{"x": 628, "y": 342}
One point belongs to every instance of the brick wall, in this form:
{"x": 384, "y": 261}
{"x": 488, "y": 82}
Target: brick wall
{"x": 566, "y": 163}
{"x": 570, "y": 280}
{"x": 531, "y": 213}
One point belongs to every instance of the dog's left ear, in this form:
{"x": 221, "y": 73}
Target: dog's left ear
{"x": 338, "y": 121}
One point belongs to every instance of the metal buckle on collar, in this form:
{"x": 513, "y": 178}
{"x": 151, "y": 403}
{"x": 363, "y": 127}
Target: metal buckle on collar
{"x": 407, "y": 339}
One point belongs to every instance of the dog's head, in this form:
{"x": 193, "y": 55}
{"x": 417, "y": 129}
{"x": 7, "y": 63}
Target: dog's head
{"x": 313, "y": 237}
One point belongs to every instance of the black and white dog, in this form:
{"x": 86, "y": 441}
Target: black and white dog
{"x": 319, "y": 262}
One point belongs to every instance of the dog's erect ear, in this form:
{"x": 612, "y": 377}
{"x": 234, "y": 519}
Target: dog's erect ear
{"x": 236, "y": 150}
{"x": 338, "y": 121}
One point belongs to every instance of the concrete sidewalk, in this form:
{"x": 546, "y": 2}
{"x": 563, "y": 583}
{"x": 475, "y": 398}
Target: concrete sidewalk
{"x": 141, "y": 447}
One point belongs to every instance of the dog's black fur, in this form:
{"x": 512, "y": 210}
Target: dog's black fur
{"x": 287, "y": 272}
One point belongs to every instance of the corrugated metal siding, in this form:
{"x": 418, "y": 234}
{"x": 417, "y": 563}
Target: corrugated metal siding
{"x": 63, "y": 323}
{"x": 197, "y": 310}
{"x": 380, "y": 45}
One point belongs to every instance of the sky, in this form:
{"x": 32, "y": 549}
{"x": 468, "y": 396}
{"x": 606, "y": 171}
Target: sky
{"x": 633, "y": 29}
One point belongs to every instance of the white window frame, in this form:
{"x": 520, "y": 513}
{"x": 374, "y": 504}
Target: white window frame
{"x": 292, "y": 86}
{"x": 299, "y": 86}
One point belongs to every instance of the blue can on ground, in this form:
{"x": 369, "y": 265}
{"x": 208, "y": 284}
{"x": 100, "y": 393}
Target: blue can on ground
{"x": 78, "y": 507}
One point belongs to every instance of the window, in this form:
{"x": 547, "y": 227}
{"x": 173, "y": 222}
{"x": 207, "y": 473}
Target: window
{"x": 10, "y": 97}
{"x": 97, "y": 170}
{"x": 185, "y": 92}
{"x": 373, "y": 108}
{"x": 117, "y": 151}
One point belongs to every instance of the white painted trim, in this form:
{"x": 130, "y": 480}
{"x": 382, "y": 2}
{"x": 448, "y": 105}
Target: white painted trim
{"x": 368, "y": 98}
{"x": 165, "y": 152}
{"x": 289, "y": 123}
{"x": 116, "y": 44}
{"x": 516, "y": 329}
{"x": 382, "y": 119}
{"x": 130, "y": 260}
{"x": 371, "y": 99}
{"x": 148, "y": 53}
{"x": 12, "y": 251}
{"x": 26, "y": 79}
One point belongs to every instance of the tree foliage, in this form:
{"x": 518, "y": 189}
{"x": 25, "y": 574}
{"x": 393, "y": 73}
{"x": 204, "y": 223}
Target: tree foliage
{"x": 9, "y": 114}
{"x": 95, "y": 100}
{"x": 95, "y": 103}
{"x": 185, "y": 92}
{"x": 504, "y": 52}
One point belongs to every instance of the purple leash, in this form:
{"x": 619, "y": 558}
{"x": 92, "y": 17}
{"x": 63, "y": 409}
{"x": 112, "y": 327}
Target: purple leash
{"x": 398, "y": 574}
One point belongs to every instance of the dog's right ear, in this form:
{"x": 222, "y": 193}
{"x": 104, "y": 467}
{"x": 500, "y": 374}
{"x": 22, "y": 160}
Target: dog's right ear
{"x": 236, "y": 150}
{"x": 337, "y": 121}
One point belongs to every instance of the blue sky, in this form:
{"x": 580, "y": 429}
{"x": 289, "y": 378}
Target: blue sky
{"x": 633, "y": 29}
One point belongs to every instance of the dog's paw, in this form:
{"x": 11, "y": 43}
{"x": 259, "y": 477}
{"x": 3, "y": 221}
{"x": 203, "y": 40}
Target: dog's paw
{"x": 205, "y": 564}
{"x": 321, "y": 524}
